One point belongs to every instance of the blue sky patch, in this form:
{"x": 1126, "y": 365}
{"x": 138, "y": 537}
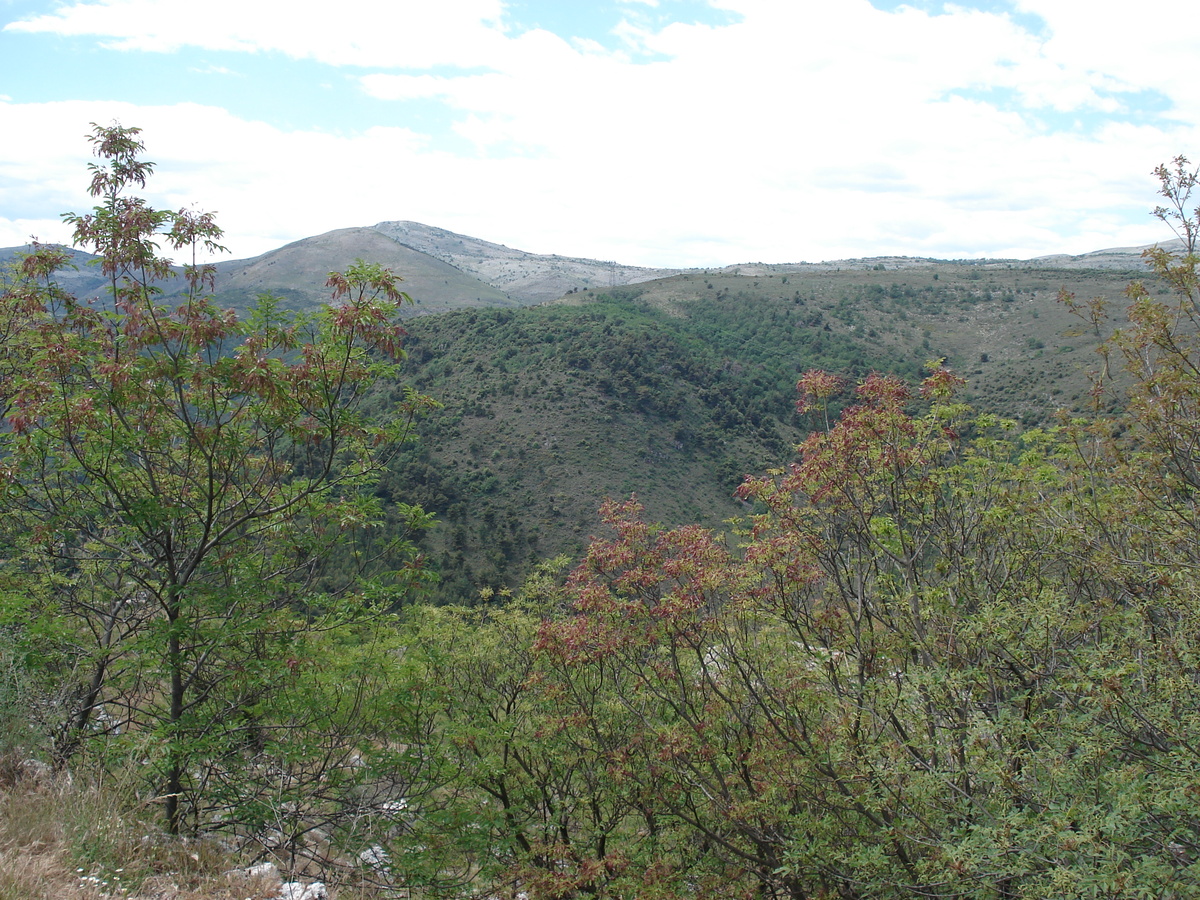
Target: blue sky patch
{"x": 1028, "y": 21}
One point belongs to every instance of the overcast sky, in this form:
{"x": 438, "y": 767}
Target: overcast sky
{"x": 652, "y": 132}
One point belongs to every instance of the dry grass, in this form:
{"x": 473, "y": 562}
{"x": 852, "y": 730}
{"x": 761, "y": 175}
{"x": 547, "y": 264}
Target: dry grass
{"x": 61, "y": 839}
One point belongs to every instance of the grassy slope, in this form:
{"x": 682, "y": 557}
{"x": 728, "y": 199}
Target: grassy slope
{"x": 676, "y": 388}
{"x": 297, "y": 272}
{"x": 84, "y": 838}
{"x": 1024, "y": 354}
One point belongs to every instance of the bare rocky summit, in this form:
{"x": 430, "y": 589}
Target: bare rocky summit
{"x": 297, "y": 272}
{"x": 1122, "y": 258}
{"x": 530, "y": 277}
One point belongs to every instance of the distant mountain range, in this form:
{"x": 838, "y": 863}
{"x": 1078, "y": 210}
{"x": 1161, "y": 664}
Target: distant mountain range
{"x": 444, "y": 271}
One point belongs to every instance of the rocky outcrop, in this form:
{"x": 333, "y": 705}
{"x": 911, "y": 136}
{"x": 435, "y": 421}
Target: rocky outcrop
{"x": 531, "y": 277}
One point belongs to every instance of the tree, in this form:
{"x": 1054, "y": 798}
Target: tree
{"x": 523, "y": 803}
{"x": 950, "y": 660}
{"x": 178, "y": 478}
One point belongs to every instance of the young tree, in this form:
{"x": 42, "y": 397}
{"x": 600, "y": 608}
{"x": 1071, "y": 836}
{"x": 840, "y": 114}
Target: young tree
{"x": 524, "y": 805}
{"x": 180, "y": 476}
{"x": 942, "y": 666}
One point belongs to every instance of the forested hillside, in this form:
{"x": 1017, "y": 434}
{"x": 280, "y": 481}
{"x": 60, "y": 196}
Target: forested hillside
{"x": 674, "y": 390}
{"x": 548, "y": 411}
{"x": 946, "y": 647}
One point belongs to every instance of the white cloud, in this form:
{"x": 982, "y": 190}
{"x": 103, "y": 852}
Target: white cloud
{"x": 213, "y": 70}
{"x": 19, "y": 232}
{"x": 814, "y": 119}
{"x": 268, "y": 186}
{"x": 808, "y": 130}
{"x": 1150, "y": 46}
{"x": 405, "y": 33}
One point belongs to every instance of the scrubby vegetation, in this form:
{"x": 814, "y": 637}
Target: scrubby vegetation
{"x": 936, "y": 652}
{"x": 676, "y": 389}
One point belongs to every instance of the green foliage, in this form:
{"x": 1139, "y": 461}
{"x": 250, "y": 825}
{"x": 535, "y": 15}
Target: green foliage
{"x": 172, "y": 480}
{"x": 674, "y": 391}
{"x": 936, "y": 656}
{"x": 550, "y": 409}
{"x": 922, "y": 675}
{"x": 947, "y": 659}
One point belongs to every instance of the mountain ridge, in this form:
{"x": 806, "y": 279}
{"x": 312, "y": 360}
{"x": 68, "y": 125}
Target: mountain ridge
{"x": 534, "y": 276}
{"x": 444, "y": 270}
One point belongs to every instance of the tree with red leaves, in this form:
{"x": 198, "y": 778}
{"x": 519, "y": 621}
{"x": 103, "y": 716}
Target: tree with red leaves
{"x": 176, "y": 477}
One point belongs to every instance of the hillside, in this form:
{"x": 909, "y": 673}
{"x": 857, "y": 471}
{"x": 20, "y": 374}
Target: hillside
{"x": 442, "y": 270}
{"x": 1001, "y": 325}
{"x": 297, "y": 272}
{"x": 674, "y": 389}
{"x": 80, "y": 278}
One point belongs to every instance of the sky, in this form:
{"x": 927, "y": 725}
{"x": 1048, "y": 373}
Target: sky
{"x": 670, "y": 133}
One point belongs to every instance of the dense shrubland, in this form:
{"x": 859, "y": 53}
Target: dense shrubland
{"x": 695, "y": 400}
{"x": 938, "y": 655}
{"x": 543, "y": 418}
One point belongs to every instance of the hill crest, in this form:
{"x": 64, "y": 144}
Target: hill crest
{"x": 534, "y": 277}
{"x": 444, "y": 270}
